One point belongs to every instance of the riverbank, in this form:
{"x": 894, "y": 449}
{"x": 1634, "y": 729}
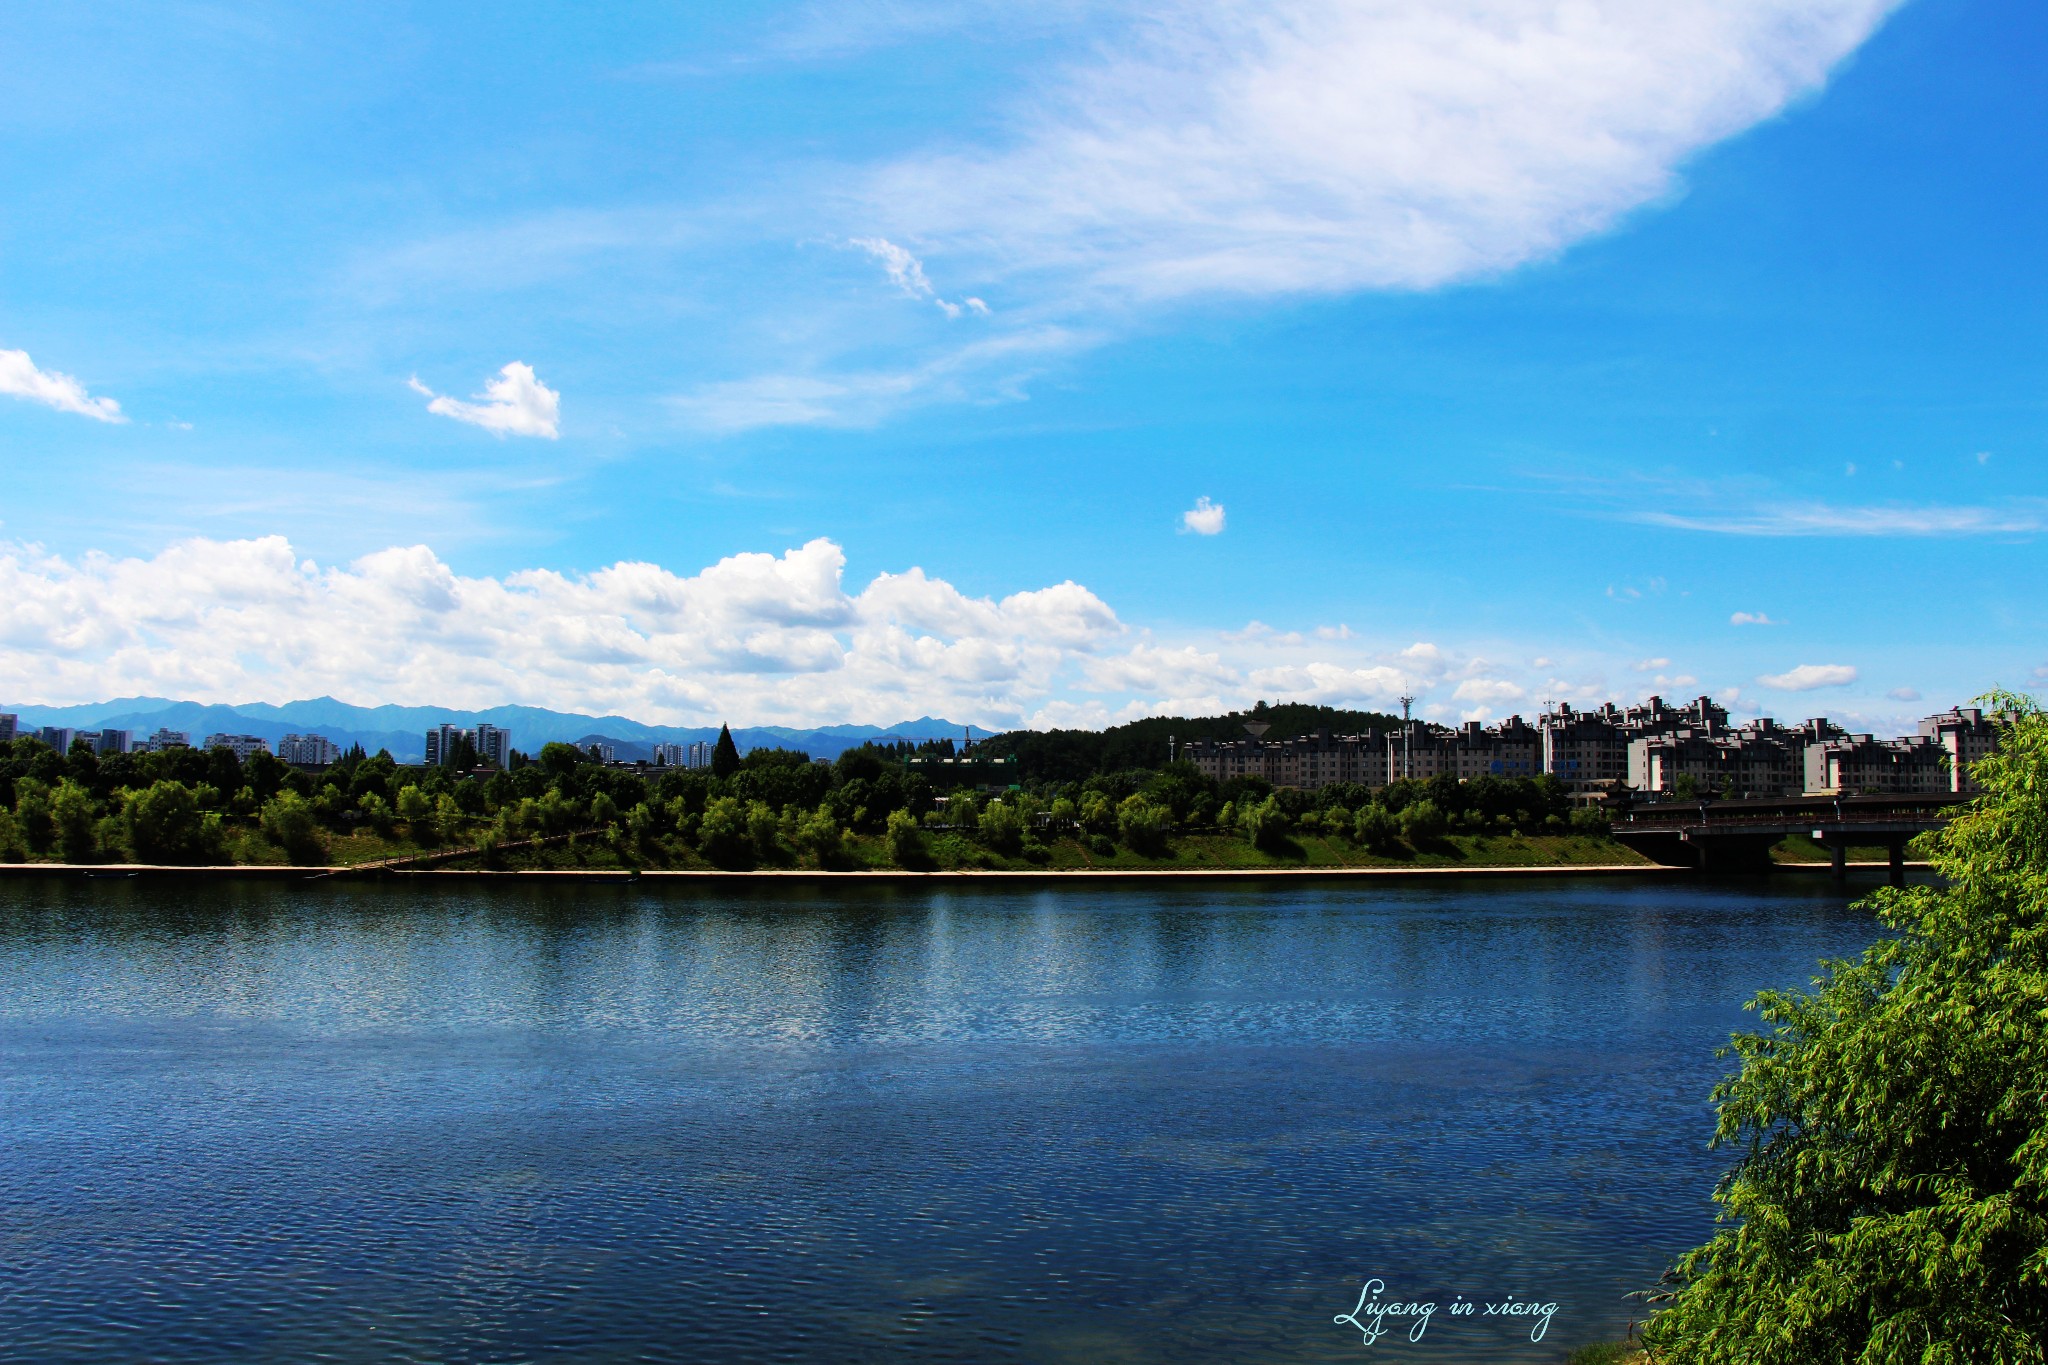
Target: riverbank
{"x": 275, "y": 872}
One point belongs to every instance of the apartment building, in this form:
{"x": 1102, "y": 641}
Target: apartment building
{"x": 1860, "y": 765}
{"x": 1307, "y": 761}
{"x": 243, "y": 747}
{"x": 1964, "y": 735}
{"x": 312, "y": 751}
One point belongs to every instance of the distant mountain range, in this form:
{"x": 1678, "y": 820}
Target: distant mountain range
{"x": 402, "y": 729}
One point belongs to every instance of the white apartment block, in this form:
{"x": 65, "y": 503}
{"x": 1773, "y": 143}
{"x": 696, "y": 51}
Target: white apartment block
{"x": 312, "y": 751}
{"x": 243, "y": 747}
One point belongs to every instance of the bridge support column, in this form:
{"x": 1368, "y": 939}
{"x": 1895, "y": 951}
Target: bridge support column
{"x": 1897, "y": 850}
{"x": 1838, "y": 860}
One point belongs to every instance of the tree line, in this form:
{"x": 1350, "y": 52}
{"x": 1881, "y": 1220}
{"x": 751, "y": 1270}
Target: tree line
{"x": 772, "y": 806}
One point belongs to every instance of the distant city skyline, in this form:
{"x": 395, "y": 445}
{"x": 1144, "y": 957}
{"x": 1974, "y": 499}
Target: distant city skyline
{"x": 794, "y": 365}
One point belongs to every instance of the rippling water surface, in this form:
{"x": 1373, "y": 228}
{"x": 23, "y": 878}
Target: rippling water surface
{"x": 1092, "y": 1125}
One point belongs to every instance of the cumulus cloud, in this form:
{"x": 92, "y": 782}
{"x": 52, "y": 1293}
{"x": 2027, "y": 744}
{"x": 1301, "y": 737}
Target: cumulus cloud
{"x": 1651, "y": 665}
{"x": 1752, "y": 618}
{"x": 1205, "y": 518}
{"x": 754, "y": 638}
{"x": 19, "y": 378}
{"x": 515, "y": 403}
{"x": 1278, "y": 145}
{"x": 1807, "y": 677}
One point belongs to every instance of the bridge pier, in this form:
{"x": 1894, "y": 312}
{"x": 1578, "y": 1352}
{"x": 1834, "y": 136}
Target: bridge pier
{"x": 1896, "y": 850}
{"x": 1838, "y": 860}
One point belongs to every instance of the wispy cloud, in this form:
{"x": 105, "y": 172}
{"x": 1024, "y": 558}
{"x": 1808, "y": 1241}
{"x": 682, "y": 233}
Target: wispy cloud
{"x": 906, "y": 272}
{"x": 1825, "y": 519}
{"x": 1752, "y": 618}
{"x": 1807, "y": 677}
{"x": 1205, "y": 518}
{"x": 990, "y": 370}
{"x": 515, "y": 403}
{"x": 1285, "y": 145}
{"x": 20, "y": 378}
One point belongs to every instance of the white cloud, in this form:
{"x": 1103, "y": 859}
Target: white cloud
{"x": 1807, "y": 677}
{"x": 1279, "y": 145}
{"x": 1651, "y": 665}
{"x": 515, "y": 403}
{"x": 1752, "y": 618}
{"x": 1904, "y": 694}
{"x": 1488, "y": 690}
{"x": 754, "y": 637}
{"x": 991, "y": 369}
{"x": 906, "y": 272}
{"x": 19, "y": 378}
{"x": 1821, "y": 519}
{"x": 1205, "y": 518}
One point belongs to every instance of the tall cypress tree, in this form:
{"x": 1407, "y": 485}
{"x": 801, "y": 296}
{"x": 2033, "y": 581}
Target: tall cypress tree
{"x": 725, "y": 757}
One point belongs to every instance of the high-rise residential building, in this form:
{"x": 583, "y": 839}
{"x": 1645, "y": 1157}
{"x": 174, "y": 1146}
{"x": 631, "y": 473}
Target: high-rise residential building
{"x": 10, "y": 725}
{"x": 669, "y": 755}
{"x": 494, "y": 745}
{"x": 700, "y": 753}
{"x": 603, "y": 753}
{"x": 243, "y": 747}
{"x": 312, "y": 751}
{"x": 58, "y": 737}
{"x": 165, "y": 739}
{"x": 111, "y": 741}
{"x": 441, "y": 743}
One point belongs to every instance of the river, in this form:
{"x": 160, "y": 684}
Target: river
{"x": 612, "y": 1122}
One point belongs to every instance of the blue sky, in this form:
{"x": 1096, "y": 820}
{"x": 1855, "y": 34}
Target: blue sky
{"x": 1524, "y": 345}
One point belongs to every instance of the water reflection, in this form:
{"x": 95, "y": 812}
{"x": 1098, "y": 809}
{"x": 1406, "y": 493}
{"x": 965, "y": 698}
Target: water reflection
{"x": 597, "y": 1122}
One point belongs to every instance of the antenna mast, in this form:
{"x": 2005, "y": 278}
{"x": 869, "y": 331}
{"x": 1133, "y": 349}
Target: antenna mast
{"x": 1407, "y": 730}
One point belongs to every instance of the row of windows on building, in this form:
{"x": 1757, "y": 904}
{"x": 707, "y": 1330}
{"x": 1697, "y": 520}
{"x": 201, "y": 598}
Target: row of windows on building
{"x": 1653, "y": 747}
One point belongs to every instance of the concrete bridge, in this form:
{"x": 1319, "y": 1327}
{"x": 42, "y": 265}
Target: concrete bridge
{"x": 1738, "y": 835}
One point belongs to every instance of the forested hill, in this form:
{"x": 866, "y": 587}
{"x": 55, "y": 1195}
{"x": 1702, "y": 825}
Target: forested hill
{"x": 1072, "y": 755}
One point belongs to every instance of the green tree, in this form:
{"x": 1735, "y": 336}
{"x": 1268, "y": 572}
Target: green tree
{"x": 725, "y": 755}
{"x": 288, "y": 821}
{"x": 1144, "y": 826}
{"x": 763, "y": 829}
{"x": 416, "y": 808}
{"x": 1890, "y": 1202}
{"x": 1375, "y": 828}
{"x": 32, "y": 814}
{"x": 74, "y": 818}
{"x": 1424, "y": 822}
{"x": 165, "y": 824}
{"x": 820, "y": 835}
{"x": 1001, "y": 826}
{"x": 1264, "y": 823}
{"x": 906, "y": 840}
{"x": 722, "y": 835}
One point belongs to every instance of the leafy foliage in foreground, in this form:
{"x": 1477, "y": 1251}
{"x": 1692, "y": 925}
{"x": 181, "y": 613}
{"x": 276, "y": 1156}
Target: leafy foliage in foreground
{"x": 1891, "y": 1203}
